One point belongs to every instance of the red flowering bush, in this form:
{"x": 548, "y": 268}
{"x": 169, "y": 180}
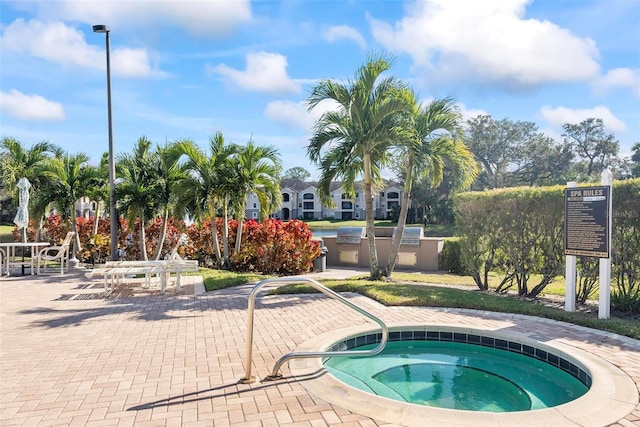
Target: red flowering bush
{"x": 275, "y": 247}
{"x": 201, "y": 240}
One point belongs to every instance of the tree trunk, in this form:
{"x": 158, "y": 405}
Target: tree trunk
{"x": 76, "y": 237}
{"x": 239, "y": 236}
{"x": 143, "y": 239}
{"x": 163, "y": 235}
{"x": 402, "y": 220}
{"x": 96, "y": 217}
{"x": 371, "y": 230}
{"x": 225, "y": 231}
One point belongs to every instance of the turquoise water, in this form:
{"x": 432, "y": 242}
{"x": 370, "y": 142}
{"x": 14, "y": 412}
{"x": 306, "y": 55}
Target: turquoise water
{"x": 458, "y": 376}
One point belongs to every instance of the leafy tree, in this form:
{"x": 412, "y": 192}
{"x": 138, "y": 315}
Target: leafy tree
{"x": 493, "y": 145}
{"x": 541, "y": 161}
{"x": 515, "y": 153}
{"x": 66, "y": 179}
{"x": 357, "y": 135}
{"x": 635, "y": 159}
{"x": 432, "y": 139}
{"x": 138, "y": 192}
{"x": 298, "y": 173}
{"x": 590, "y": 141}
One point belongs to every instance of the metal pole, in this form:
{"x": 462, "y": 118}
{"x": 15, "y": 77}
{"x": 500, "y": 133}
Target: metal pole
{"x": 570, "y": 273}
{"x": 112, "y": 166}
{"x": 604, "y": 300}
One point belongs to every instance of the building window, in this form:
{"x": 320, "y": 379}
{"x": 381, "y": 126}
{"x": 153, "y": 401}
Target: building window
{"x": 347, "y": 205}
{"x": 345, "y": 196}
{"x": 393, "y": 195}
{"x": 307, "y": 215}
{"x": 382, "y": 194}
{"x": 307, "y": 196}
{"x": 255, "y": 215}
{"x": 255, "y": 205}
{"x": 390, "y": 205}
{"x": 299, "y": 205}
{"x": 285, "y": 197}
{"x": 308, "y": 205}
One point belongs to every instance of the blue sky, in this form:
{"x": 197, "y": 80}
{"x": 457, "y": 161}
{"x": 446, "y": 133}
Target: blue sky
{"x": 187, "y": 69}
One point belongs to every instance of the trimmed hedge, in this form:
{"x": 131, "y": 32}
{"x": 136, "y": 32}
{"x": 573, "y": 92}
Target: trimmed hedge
{"x": 520, "y": 231}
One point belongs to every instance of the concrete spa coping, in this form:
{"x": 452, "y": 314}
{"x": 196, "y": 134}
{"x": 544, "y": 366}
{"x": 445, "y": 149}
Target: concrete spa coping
{"x": 613, "y": 394}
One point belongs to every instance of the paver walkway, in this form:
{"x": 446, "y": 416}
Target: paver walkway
{"x": 70, "y": 357}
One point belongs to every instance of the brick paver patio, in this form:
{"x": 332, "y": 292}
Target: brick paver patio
{"x": 70, "y": 357}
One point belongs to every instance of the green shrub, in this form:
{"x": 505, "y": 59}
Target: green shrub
{"x": 450, "y": 257}
{"x": 276, "y": 247}
{"x": 517, "y": 232}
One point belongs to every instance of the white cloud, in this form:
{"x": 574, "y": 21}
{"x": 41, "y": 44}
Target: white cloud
{"x": 265, "y": 72}
{"x": 30, "y": 107}
{"x": 561, "y": 115}
{"x": 344, "y": 32}
{"x": 59, "y": 43}
{"x": 295, "y": 114}
{"x": 619, "y": 78}
{"x": 488, "y": 40}
{"x": 206, "y": 18}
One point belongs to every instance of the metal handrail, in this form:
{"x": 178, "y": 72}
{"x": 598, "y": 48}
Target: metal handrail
{"x": 301, "y": 355}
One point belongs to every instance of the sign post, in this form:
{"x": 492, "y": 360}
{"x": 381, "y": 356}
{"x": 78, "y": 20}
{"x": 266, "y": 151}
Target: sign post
{"x": 588, "y": 233}
{"x": 570, "y": 272}
{"x": 604, "y": 303}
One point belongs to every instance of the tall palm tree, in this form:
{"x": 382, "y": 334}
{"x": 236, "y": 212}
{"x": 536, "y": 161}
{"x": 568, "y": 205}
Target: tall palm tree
{"x": 137, "y": 193}
{"x": 65, "y": 180}
{"x": 357, "y": 135}
{"x": 17, "y": 161}
{"x": 169, "y": 175}
{"x": 205, "y": 186}
{"x": 100, "y": 192}
{"x": 432, "y": 141}
{"x": 256, "y": 168}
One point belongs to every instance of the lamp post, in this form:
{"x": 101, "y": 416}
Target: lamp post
{"x": 112, "y": 167}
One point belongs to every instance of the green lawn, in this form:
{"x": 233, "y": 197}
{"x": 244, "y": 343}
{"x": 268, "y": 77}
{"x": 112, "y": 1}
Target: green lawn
{"x": 414, "y": 290}
{"x": 5, "y": 233}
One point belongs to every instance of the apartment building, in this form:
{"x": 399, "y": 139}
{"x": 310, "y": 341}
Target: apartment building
{"x": 300, "y": 200}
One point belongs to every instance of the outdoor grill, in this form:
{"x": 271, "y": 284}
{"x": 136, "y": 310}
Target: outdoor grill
{"x": 350, "y": 235}
{"x": 411, "y": 236}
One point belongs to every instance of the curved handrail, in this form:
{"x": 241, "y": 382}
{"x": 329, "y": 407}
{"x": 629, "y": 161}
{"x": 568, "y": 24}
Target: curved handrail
{"x": 284, "y": 280}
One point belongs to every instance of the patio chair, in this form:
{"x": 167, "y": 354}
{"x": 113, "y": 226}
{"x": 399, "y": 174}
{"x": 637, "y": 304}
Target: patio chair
{"x": 53, "y": 253}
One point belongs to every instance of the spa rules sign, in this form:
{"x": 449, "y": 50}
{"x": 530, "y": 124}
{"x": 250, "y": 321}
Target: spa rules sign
{"x": 586, "y": 213}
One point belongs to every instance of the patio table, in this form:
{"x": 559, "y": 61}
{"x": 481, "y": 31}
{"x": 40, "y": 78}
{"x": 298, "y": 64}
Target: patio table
{"x": 9, "y": 254}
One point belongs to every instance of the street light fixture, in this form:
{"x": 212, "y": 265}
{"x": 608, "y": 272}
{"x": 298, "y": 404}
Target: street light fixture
{"x": 112, "y": 167}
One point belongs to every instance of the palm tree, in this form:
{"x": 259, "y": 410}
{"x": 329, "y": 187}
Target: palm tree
{"x": 432, "y": 141}
{"x": 16, "y": 162}
{"x": 100, "y": 192}
{"x": 65, "y": 180}
{"x": 137, "y": 193}
{"x": 256, "y": 170}
{"x": 169, "y": 175}
{"x": 357, "y": 135}
{"x": 205, "y": 186}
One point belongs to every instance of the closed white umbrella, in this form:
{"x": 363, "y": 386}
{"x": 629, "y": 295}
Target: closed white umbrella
{"x": 22, "y": 216}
